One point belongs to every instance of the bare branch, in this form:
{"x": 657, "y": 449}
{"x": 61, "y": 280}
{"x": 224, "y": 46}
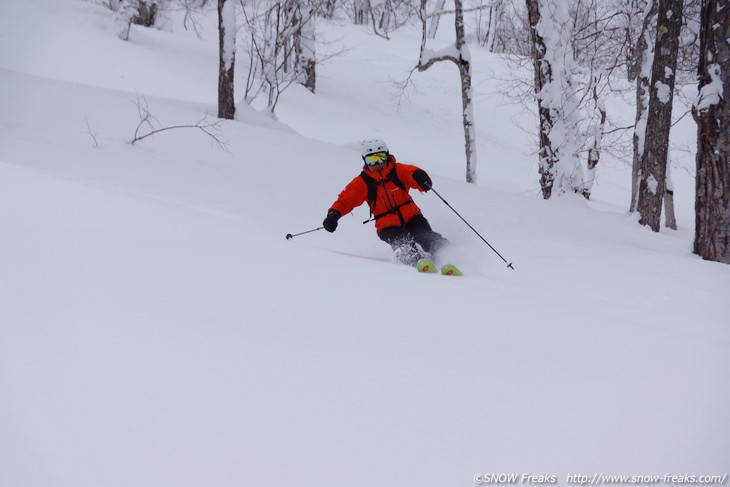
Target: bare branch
{"x": 466, "y": 10}
{"x": 92, "y": 134}
{"x": 618, "y": 129}
{"x": 211, "y": 129}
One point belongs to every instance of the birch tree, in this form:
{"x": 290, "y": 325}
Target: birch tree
{"x": 458, "y": 53}
{"x": 360, "y": 11}
{"x": 712, "y": 114}
{"x": 304, "y": 45}
{"x": 559, "y": 162}
{"x": 227, "y": 57}
{"x": 652, "y": 184}
{"x": 280, "y": 47}
{"x": 488, "y": 38}
{"x": 435, "y": 17}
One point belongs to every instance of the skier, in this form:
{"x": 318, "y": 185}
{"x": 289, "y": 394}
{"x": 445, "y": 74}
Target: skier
{"x": 384, "y": 184}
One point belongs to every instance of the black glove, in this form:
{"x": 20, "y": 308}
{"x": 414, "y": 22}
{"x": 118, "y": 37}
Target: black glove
{"x": 422, "y": 179}
{"x": 330, "y": 223}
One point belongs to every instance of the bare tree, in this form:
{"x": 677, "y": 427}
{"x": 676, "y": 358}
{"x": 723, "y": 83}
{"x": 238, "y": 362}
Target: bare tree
{"x": 360, "y": 11}
{"x": 487, "y": 35}
{"x": 227, "y": 57}
{"x": 149, "y": 124}
{"x": 435, "y": 17}
{"x": 653, "y": 176}
{"x": 502, "y": 26}
{"x": 387, "y": 15}
{"x": 327, "y": 9}
{"x": 280, "y": 48}
{"x": 459, "y": 55}
{"x": 712, "y": 114}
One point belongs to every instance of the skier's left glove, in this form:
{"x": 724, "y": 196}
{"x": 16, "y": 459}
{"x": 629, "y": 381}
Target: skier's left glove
{"x": 330, "y": 223}
{"x": 422, "y": 179}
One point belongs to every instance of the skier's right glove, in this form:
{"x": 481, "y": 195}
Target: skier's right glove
{"x": 330, "y": 223}
{"x": 422, "y": 179}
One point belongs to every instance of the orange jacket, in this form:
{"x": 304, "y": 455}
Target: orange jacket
{"x": 393, "y": 206}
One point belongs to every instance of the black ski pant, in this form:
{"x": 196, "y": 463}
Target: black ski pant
{"x": 404, "y": 238}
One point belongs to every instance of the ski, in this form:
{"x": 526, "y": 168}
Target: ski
{"x": 425, "y": 265}
{"x": 450, "y": 270}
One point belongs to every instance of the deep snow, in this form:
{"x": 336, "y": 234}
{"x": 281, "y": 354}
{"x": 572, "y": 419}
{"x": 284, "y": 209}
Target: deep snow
{"x": 157, "y": 329}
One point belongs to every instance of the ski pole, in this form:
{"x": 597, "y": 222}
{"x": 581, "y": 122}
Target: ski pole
{"x": 289, "y": 236}
{"x": 509, "y": 264}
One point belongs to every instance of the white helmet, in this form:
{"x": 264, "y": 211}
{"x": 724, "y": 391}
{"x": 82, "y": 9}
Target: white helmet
{"x": 372, "y": 146}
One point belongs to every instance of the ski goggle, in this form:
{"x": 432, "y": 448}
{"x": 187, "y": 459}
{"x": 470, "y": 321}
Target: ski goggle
{"x": 376, "y": 158}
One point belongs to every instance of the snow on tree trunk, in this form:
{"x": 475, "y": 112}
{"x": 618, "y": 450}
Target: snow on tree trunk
{"x": 644, "y": 58}
{"x": 659, "y": 118}
{"x": 125, "y": 11}
{"x": 712, "y": 114}
{"x": 459, "y": 55}
{"x": 305, "y": 48}
{"x": 227, "y": 57}
{"x": 551, "y": 29}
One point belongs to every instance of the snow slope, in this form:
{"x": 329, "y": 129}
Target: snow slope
{"x": 157, "y": 329}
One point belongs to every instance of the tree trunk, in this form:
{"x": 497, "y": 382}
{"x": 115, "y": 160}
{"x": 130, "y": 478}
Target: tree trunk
{"x": 491, "y": 36}
{"x": 146, "y": 13}
{"x": 467, "y": 105}
{"x": 328, "y": 9}
{"x": 594, "y": 153}
{"x": 560, "y": 167}
{"x": 642, "y": 62}
{"x": 361, "y": 8}
{"x": 227, "y": 57}
{"x": 712, "y": 114}
{"x": 659, "y": 119}
{"x": 306, "y": 62}
{"x": 439, "y": 7}
{"x": 543, "y": 73}
{"x": 459, "y": 55}
{"x": 670, "y": 220}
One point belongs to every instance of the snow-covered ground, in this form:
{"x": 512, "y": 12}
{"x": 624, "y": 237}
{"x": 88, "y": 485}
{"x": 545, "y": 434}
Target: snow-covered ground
{"x": 156, "y": 329}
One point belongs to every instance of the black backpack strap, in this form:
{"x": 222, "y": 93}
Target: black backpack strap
{"x": 373, "y": 185}
{"x": 393, "y": 177}
{"x": 372, "y": 188}
{"x": 395, "y": 209}
{"x": 373, "y": 193}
